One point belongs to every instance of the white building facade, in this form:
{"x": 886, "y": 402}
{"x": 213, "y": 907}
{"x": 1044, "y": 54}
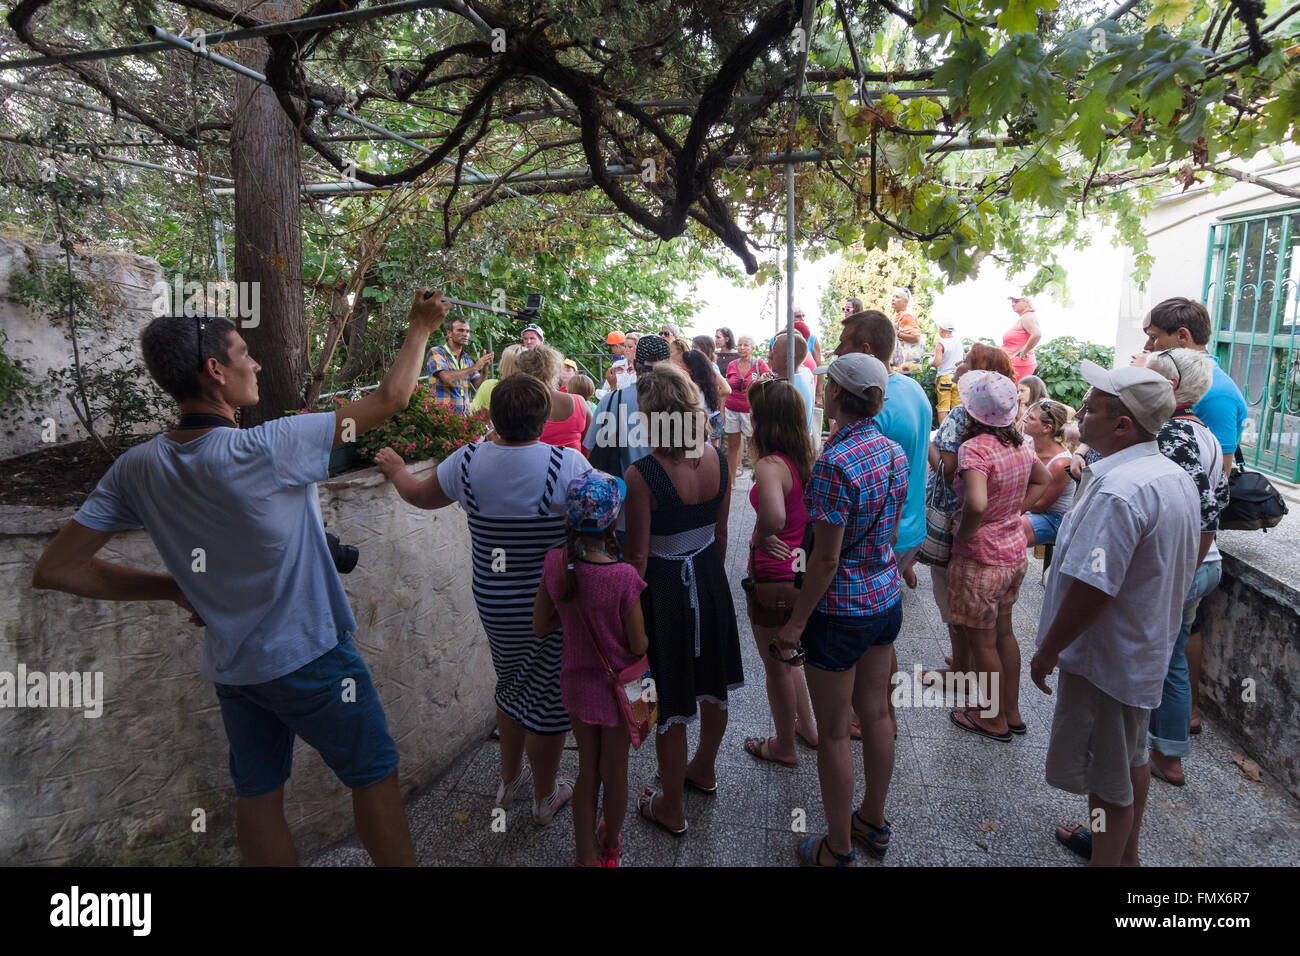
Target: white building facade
{"x": 1239, "y": 253}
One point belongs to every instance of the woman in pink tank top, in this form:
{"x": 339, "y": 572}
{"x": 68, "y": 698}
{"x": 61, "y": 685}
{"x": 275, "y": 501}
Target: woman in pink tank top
{"x": 567, "y": 422}
{"x": 568, "y": 433}
{"x": 1020, "y": 339}
{"x": 783, "y": 459}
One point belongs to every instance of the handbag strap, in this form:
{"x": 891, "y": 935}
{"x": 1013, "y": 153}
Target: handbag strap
{"x": 591, "y": 636}
{"x": 893, "y": 461}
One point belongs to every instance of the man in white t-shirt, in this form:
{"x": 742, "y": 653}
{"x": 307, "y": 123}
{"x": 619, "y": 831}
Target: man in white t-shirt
{"x": 779, "y": 361}
{"x": 278, "y": 640}
{"x": 1125, "y": 556}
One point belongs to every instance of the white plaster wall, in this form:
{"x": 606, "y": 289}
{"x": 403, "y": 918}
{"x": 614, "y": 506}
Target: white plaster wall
{"x": 124, "y": 279}
{"x": 122, "y": 788}
{"x": 1178, "y": 232}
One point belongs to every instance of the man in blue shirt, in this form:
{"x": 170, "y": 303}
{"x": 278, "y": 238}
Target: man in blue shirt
{"x": 235, "y": 516}
{"x": 1180, "y": 323}
{"x": 906, "y": 419}
{"x": 1183, "y": 323}
{"x": 616, "y": 425}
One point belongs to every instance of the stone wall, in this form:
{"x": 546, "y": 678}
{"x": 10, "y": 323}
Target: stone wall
{"x": 124, "y": 787}
{"x": 1251, "y": 631}
{"x": 122, "y": 286}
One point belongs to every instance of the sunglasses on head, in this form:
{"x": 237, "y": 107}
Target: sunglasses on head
{"x": 199, "y": 322}
{"x": 665, "y": 333}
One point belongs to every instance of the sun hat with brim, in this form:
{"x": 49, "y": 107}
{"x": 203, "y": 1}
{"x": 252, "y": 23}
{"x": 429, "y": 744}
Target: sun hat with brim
{"x": 593, "y": 501}
{"x": 856, "y": 372}
{"x": 1148, "y": 395}
{"x": 989, "y": 397}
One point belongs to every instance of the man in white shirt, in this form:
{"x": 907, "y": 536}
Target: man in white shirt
{"x": 621, "y": 372}
{"x": 1125, "y": 556}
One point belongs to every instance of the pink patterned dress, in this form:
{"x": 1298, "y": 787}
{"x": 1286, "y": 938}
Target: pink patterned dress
{"x": 606, "y": 593}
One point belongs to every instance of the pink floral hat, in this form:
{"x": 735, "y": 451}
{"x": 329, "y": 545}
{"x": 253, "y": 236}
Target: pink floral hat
{"x": 990, "y": 398}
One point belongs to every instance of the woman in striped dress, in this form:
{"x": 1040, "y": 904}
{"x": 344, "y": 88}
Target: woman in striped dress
{"x": 512, "y": 489}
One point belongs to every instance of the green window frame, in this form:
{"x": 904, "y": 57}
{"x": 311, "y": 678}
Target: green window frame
{"x": 1252, "y": 271}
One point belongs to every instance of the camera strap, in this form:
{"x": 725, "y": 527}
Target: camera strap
{"x": 203, "y": 420}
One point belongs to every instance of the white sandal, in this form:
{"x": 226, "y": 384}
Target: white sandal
{"x": 544, "y": 814}
{"x": 506, "y": 792}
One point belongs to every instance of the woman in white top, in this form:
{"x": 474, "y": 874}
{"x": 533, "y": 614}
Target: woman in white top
{"x": 1044, "y": 423}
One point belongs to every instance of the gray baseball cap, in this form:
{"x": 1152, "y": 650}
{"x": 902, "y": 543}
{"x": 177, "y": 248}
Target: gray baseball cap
{"x": 1148, "y": 395}
{"x": 857, "y": 372}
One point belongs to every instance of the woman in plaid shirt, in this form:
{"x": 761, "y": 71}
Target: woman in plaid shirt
{"x": 850, "y": 607}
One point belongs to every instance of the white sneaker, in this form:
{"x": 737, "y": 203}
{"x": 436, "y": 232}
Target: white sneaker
{"x": 543, "y": 814}
{"x": 506, "y": 792}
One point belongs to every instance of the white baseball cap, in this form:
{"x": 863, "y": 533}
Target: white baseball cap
{"x": 857, "y": 372}
{"x": 946, "y": 324}
{"x": 1148, "y": 395}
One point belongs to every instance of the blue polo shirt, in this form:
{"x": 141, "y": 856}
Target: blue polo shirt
{"x": 905, "y": 419}
{"x": 1223, "y": 409}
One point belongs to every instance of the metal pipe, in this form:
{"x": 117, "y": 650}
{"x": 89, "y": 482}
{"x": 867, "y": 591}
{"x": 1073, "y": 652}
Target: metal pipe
{"x": 239, "y": 68}
{"x": 229, "y": 36}
{"x": 57, "y": 147}
{"x": 56, "y": 97}
{"x": 559, "y": 175}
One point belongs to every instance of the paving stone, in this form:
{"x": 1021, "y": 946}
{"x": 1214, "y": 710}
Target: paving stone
{"x": 948, "y": 786}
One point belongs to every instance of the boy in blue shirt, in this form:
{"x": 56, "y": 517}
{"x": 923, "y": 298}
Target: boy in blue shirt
{"x": 279, "y": 627}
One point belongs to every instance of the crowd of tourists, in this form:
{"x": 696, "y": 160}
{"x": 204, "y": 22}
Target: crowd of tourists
{"x": 612, "y": 614}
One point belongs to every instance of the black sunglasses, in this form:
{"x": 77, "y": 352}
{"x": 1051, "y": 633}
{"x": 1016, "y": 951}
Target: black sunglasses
{"x": 199, "y": 322}
{"x": 794, "y": 660}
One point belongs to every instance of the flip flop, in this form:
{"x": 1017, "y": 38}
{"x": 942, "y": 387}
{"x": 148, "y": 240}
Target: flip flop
{"x": 1018, "y": 729}
{"x": 1195, "y": 726}
{"x": 1079, "y": 841}
{"x": 972, "y": 727}
{"x": 755, "y": 746}
{"x": 687, "y": 781}
{"x": 645, "y": 807}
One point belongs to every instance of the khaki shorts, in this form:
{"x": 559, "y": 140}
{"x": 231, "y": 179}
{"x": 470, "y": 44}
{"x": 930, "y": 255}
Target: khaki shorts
{"x": 738, "y": 422}
{"x": 945, "y": 393}
{"x": 1096, "y": 741}
{"x": 978, "y": 594}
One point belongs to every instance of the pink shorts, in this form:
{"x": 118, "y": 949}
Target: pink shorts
{"x": 978, "y": 594}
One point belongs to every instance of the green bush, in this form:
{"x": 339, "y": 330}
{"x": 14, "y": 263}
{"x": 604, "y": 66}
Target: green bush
{"x": 1058, "y": 367}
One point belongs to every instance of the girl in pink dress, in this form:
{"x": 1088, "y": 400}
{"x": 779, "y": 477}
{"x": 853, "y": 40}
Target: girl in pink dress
{"x": 595, "y": 596}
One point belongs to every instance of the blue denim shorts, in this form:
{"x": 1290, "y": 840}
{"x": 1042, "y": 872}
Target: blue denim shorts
{"x": 344, "y": 722}
{"x": 832, "y": 642}
{"x": 1045, "y": 526}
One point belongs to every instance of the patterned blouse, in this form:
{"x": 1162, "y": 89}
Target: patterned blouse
{"x": 1177, "y": 442}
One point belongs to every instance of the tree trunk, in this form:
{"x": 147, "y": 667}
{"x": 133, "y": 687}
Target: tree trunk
{"x": 264, "y": 150}
{"x": 356, "y": 336}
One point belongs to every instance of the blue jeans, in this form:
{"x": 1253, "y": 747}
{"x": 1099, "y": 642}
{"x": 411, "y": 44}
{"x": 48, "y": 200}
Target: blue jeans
{"x": 330, "y": 703}
{"x": 1169, "y": 731}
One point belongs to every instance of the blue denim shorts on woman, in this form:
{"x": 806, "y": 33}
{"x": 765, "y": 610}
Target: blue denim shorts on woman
{"x": 344, "y": 722}
{"x": 832, "y": 642}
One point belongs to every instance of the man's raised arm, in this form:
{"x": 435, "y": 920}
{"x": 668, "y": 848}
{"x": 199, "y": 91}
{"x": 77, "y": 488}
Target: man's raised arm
{"x": 394, "y": 392}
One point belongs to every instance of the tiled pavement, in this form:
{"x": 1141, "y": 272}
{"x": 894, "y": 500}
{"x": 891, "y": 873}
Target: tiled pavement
{"x": 954, "y": 798}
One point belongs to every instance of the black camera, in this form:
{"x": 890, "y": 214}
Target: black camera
{"x": 344, "y": 555}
